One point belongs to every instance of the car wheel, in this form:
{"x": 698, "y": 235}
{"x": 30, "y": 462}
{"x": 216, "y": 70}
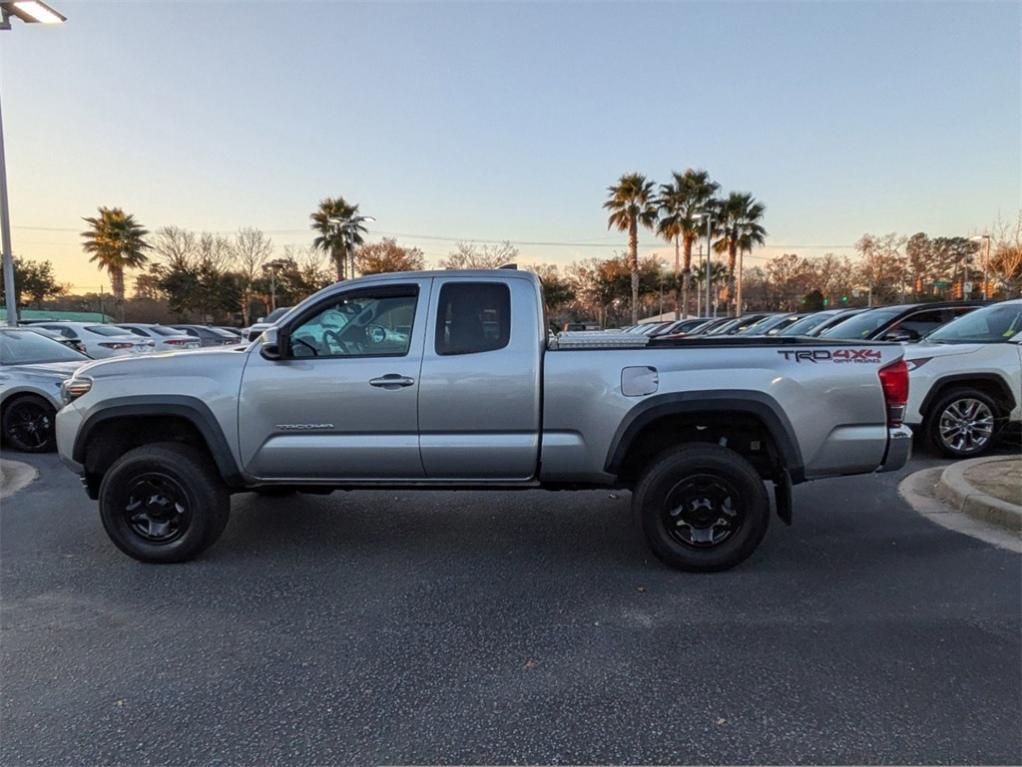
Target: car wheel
{"x": 163, "y": 503}
{"x": 702, "y": 508}
{"x": 28, "y": 424}
{"x": 963, "y": 423}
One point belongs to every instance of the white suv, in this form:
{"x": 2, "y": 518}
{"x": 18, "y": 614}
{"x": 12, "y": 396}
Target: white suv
{"x": 966, "y": 379}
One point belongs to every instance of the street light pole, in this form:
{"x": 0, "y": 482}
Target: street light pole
{"x": 10, "y": 293}
{"x": 986, "y": 266}
{"x": 709, "y": 264}
{"x": 31, "y": 12}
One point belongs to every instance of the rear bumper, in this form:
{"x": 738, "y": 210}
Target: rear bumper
{"x": 899, "y": 449}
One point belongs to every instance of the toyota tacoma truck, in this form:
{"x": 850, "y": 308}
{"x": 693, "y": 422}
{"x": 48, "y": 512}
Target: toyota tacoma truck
{"x": 449, "y": 379}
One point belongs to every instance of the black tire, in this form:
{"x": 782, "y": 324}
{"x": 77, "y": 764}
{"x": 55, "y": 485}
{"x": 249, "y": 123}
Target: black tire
{"x": 163, "y": 503}
{"x": 29, "y": 424}
{"x": 976, "y": 416}
{"x": 702, "y": 508}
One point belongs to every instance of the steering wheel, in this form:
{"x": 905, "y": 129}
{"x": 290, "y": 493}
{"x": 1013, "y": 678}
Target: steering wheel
{"x": 375, "y": 334}
{"x": 337, "y": 337}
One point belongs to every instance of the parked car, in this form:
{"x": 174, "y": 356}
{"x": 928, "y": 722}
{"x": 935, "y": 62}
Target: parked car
{"x": 165, "y": 338}
{"x": 647, "y": 328}
{"x": 709, "y": 326}
{"x": 423, "y": 384}
{"x": 575, "y": 327}
{"x": 904, "y": 322}
{"x": 32, "y": 368}
{"x": 100, "y": 340}
{"x": 207, "y": 336}
{"x": 966, "y": 380}
{"x": 70, "y": 343}
{"x": 771, "y": 326}
{"x": 738, "y": 324}
{"x": 255, "y": 330}
{"x": 816, "y": 322}
{"x": 681, "y": 327}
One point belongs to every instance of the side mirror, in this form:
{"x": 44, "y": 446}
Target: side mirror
{"x": 901, "y": 334}
{"x": 273, "y": 344}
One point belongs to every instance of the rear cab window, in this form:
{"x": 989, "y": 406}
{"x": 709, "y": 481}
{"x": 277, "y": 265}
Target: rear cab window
{"x": 473, "y": 317}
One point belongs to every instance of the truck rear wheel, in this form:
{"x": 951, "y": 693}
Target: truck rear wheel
{"x": 163, "y": 503}
{"x": 702, "y": 508}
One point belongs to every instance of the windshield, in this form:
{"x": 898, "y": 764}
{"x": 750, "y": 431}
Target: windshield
{"x": 26, "y": 347}
{"x": 107, "y": 330}
{"x": 806, "y": 324}
{"x": 992, "y": 324}
{"x": 861, "y": 325}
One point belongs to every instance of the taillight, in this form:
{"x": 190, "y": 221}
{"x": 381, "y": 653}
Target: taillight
{"x": 894, "y": 380}
{"x": 117, "y": 344}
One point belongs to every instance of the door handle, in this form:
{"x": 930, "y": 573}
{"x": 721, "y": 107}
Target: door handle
{"x": 392, "y": 381}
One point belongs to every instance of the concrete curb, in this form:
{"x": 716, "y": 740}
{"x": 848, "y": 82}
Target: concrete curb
{"x": 14, "y": 475}
{"x": 919, "y": 489}
{"x": 955, "y": 490}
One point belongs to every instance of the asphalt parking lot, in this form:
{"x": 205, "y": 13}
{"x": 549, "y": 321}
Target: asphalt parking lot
{"x": 394, "y": 627}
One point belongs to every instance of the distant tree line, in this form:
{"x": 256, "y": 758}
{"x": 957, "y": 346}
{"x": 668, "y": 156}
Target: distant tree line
{"x": 183, "y": 275}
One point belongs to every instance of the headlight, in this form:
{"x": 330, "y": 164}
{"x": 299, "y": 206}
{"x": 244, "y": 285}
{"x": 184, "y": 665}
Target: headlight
{"x": 73, "y": 388}
{"x": 917, "y": 363}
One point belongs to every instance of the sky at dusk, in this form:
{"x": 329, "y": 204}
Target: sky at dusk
{"x": 507, "y": 121}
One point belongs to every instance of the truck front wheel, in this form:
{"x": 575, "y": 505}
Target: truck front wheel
{"x": 702, "y": 508}
{"x": 163, "y": 503}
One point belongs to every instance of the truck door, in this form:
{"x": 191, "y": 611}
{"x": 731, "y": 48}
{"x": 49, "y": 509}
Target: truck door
{"x": 479, "y": 392}
{"x": 342, "y": 403}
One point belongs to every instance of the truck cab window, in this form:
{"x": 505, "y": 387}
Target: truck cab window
{"x": 365, "y": 325}
{"x": 473, "y": 317}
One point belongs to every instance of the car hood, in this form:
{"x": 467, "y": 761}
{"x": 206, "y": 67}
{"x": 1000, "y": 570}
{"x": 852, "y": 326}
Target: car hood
{"x": 56, "y": 370}
{"x": 178, "y": 363}
{"x": 920, "y": 350}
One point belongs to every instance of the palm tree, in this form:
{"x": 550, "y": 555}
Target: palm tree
{"x": 631, "y": 203}
{"x": 738, "y": 220}
{"x": 340, "y": 230}
{"x": 116, "y": 242}
{"x": 682, "y": 205}
{"x": 718, "y": 275}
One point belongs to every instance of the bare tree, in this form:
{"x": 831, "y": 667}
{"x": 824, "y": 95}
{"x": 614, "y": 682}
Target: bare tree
{"x": 250, "y": 249}
{"x": 1006, "y": 250}
{"x": 177, "y": 247}
{"x": 469, "y": 255}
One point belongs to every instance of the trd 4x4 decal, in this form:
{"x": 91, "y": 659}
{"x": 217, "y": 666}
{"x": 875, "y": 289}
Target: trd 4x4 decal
{"x": 838, "y": 355}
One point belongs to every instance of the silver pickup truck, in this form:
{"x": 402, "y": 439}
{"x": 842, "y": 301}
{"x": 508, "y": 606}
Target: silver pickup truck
{"x": 450, "y": 379}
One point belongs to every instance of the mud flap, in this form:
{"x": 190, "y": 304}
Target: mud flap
{"x": 782, "y": 496}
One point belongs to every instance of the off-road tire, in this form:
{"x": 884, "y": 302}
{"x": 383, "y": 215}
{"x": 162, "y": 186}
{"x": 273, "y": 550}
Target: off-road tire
{"x": 149, "y": 476}
{"x": 681, "y": 484}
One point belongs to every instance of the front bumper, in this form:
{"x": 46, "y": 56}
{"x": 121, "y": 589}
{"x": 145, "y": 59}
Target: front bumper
{"x": 899, "y": 449}
{"x": 69, "y": 420}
